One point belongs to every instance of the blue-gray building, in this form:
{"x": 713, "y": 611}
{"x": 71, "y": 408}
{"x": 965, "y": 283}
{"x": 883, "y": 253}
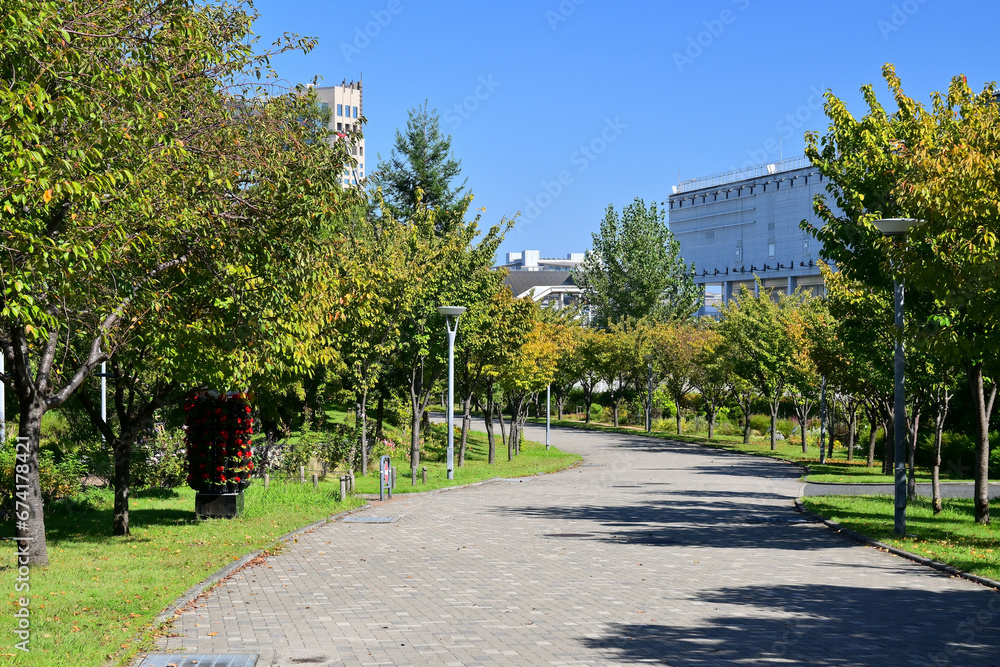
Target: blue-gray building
{"x": 744, "y": 224}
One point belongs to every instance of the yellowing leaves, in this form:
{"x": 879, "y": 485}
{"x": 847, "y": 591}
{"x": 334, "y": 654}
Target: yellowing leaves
{"x": 47, "y": 195}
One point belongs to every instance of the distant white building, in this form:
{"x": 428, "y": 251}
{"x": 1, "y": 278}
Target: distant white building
{"x": 346, "y": 107}
{"x": 546, "y": 280}
{"x": 529, "y": 260}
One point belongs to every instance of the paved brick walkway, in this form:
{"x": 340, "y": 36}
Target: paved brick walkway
{"x": 651, "y": 552}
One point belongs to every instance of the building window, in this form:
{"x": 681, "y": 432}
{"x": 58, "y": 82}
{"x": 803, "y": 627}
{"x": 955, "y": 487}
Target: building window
{"x": 770, "y": 226}
{"x": 355, "y": 112}
{"x": 340, "y": 109}
{"x": 805, "y": 247}
{"x": 739, "y": 253}
{"x": 323, "y": 106}
{"x": 361, "y": 150}
{"x": 770, "y": 249}
{"x": 340, "y": 127}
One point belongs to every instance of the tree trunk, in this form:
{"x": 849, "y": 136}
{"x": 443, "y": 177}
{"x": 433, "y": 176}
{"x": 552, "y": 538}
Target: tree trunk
{"x": 122, "y": 453}
{"x": 936, "y": 462}
{"x": 774, "y": 425}
{"x": 488, "y": 419}
{"x": 415, "y": 415}
{"x": 852, "y": 427}
{"x": 466, "y": 423}
{"x": 911, "y": 481}
{"x": 982, "y": 456}
{"x": 380, "y": 413}
{"x": 361, "y": 418}
{"x": 872, "y": 435}
{"x": 503, "y": 433}
{"x": 614, "y": 412}
{"x": 888, "y": 450}
{"x": 831, "y": 418}
{"x": 712, "y": 412}
{"x": 30, "y": 530}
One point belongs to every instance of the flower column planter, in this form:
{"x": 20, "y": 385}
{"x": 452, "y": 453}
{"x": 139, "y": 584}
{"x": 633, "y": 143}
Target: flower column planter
{"x": 219, "y": 429}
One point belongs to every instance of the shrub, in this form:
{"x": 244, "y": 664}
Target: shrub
{"x": 760, "y": 423}
{"x": 59, "y": 479}
{"x": 159, "y": 460}
{"x": 596, "y": 412}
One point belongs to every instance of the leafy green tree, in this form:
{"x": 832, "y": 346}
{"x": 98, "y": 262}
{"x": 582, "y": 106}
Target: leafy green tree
{"x": 713, "y": 376}
{"x": 762, "y": 351}
{"x": 635, "y": 270}
{"x": 422, "y": 168}
{"x": 939, "y": 165}
{"x": 676, "y": 348}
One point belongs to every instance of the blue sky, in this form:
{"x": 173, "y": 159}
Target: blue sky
{"x": 558, "y": 108}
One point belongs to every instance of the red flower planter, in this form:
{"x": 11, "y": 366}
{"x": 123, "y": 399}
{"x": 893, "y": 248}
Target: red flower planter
{"x": 218, "y": 443}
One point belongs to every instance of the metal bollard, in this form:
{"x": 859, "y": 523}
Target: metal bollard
{"x": 315, "y": 481}
{"x": 267, "y": 481}
{"x": 392, "y": 478}
{"x": 343, "y": 488}
{"x": 302, "y": 474}
{"x": 425, "y": 474}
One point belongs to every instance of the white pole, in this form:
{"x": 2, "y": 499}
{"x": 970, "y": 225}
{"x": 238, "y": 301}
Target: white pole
{"x": 451, "y": 397}
{"x": 104, "y": 394}
{"x": 548, "y": 413}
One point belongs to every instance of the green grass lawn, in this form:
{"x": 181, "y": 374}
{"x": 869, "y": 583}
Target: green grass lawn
{"x": 533, "y": 459}
{"x": 951, "y": 537}
{"x": 100, "y": 592}
{"x": 838, "y": 469}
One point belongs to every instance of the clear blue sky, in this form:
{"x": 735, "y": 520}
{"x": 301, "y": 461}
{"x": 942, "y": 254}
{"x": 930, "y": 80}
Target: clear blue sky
{"x": 624, "y": 99}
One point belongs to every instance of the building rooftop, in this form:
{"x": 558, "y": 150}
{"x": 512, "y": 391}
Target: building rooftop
{"x": 742, "y": 174}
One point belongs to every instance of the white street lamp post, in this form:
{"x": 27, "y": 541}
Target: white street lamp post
{"x": 449, "y": 312}
{"x": 898, "y": 227}
{"x": 548, "y": 413}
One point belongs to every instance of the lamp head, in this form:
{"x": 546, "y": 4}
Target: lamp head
{"x": 896, "y": 226}
{"x": 451, "y": 311}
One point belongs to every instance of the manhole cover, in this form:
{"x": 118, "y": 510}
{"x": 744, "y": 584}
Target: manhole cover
{"x": 569, "y": 535}
{"x": 775, "y": 519}
{"x": 370, "y": 519}
{"x": 198, "y": 660}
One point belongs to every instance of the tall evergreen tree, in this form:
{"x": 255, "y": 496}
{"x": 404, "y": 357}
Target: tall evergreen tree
{"x": 422, "y": 167}
{"x": 635, "y": 269}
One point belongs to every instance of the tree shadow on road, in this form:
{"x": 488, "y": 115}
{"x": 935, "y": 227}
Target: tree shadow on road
{"x": 830, "y": 625}
{"x": 672, "y": 522}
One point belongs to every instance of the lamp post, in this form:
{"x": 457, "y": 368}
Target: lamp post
{"x": 898, "y": 227}
{"x": 450, "y": 312}
{"x": 649, "y": 393}
{"x": 548, "y": 413}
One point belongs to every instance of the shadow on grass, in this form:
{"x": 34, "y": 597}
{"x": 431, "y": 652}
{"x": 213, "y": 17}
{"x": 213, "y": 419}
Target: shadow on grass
{"x": 820, "y": 624}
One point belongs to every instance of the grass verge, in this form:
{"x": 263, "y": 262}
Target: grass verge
{"x": 100, "y": 593}
{"x": 533, "y": 459}
{"x": 952, "y": 537}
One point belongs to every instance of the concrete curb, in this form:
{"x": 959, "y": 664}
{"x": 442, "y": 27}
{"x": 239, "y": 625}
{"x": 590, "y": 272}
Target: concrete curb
{"x": 864, "y": 539}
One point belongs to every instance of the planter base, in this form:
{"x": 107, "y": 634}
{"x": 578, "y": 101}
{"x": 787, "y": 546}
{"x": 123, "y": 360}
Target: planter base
{"x": 219, "y": 505}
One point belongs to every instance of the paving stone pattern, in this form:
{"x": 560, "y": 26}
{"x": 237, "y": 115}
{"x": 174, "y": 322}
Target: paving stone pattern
{"x": 651, "y": 552}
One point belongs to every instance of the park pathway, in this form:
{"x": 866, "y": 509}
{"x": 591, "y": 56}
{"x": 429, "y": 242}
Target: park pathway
{"x": 649, "y": 552}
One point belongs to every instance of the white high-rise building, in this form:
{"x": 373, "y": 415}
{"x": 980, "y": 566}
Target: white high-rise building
{"x": 346, "y": 110}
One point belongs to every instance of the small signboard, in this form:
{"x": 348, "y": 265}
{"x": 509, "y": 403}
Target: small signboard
{"x": 385, "y": 478}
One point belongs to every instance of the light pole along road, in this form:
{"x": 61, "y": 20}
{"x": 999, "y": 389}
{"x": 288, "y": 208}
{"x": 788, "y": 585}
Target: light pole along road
{"x": 897, "y": 228}
{"x": 450, "y": 312}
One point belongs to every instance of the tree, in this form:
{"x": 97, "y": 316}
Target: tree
{"x": 528, "y": 371}
{"x": 756, "y": 332}
{"x": 589, "y": 361}
{"x": 938, "y": 165}
{"x": 676, "y": 348}
{"x": 712, "y": 376}
{"x": 635, "y": 271}
{"x": 422, "y": 164}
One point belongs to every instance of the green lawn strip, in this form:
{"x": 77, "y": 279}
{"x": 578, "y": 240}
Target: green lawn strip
{"x": 952, "y": 537}
{"x": 100, "y": 592}
{"x": 834, "y": 470}
{"x": 533, "y": 459}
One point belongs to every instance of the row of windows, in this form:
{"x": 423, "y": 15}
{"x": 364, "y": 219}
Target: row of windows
{"x": 770, "y": 249}
{"x": 341, "y": 107}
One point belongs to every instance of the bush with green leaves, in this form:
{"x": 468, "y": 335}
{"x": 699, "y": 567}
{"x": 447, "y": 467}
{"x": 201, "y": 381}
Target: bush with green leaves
{"x": 60, "y": 477}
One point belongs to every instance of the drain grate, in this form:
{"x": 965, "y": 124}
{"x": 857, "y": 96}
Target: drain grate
{"x": 371, "y": 519}
{"x": 775, "y": 519}
{"x": 198, "y": 660}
